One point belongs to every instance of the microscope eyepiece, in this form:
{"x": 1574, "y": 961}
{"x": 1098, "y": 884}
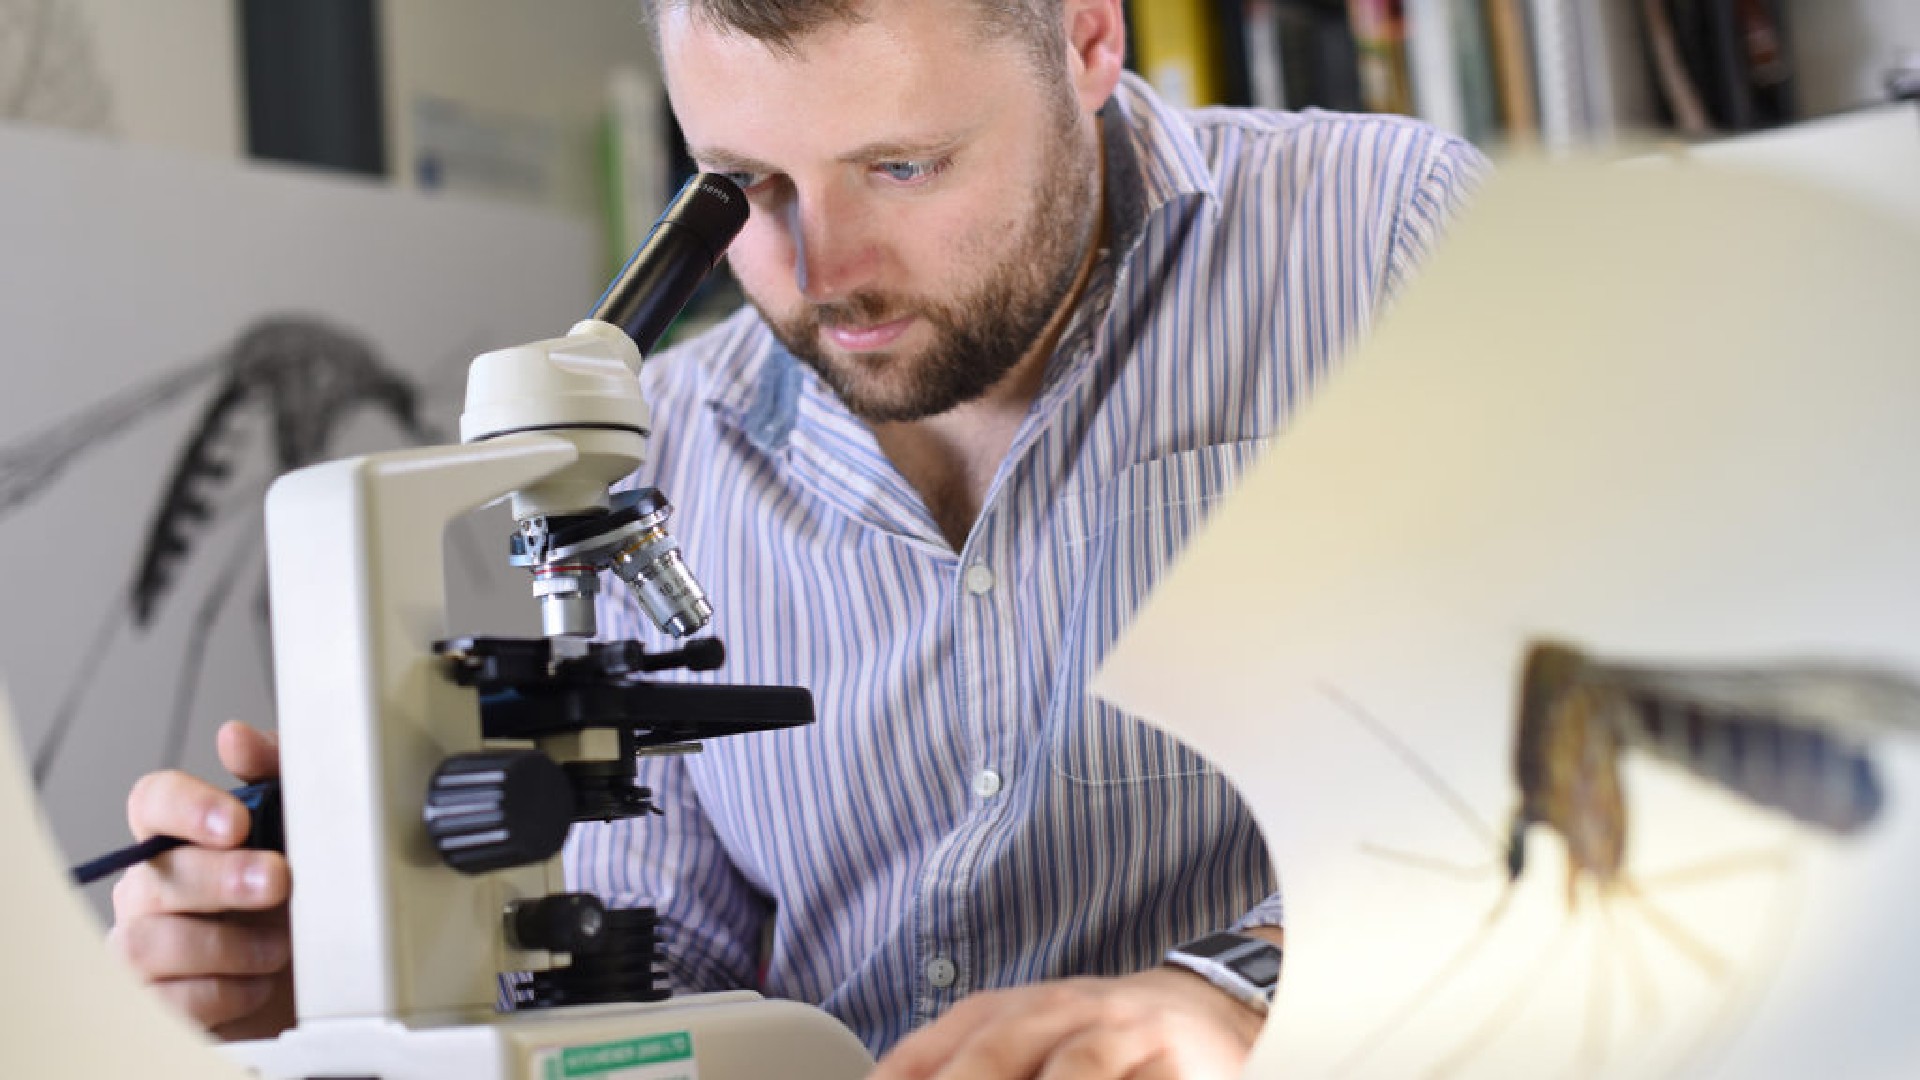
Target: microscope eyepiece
{"x": 685, "y": 245}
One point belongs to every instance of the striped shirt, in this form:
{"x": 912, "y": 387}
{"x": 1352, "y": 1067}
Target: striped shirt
{"x": 963, "y": 814}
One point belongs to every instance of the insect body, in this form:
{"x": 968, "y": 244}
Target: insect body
{"x": 1790, "y": 737}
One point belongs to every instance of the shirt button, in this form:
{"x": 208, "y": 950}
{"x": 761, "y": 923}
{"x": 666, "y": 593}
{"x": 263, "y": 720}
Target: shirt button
{"x": 979, "y": 579}
{"x": 940, "y": 972}
{"x": 986, "y": 783}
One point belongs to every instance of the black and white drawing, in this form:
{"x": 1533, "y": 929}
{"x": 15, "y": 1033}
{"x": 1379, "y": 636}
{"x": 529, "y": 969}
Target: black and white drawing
{"x": 178, "y": 333}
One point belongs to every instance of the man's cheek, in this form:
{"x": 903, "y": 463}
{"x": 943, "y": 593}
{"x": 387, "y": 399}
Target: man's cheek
{"x": 762, "y": 260}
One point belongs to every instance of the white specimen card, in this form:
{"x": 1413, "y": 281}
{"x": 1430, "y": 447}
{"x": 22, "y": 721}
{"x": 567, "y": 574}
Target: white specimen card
{"x": 1663, "y": 416}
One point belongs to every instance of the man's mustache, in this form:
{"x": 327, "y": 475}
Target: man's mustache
{"x": 860, "y": 309}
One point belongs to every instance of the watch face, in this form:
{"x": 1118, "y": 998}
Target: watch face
{"x": 1261, "y": 967}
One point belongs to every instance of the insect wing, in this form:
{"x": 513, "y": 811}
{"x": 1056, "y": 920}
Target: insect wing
{"x": 1795, "y": 738}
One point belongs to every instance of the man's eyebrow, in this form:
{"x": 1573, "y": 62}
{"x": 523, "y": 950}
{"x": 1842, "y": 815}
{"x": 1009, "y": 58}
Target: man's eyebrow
{"x": 718, "y": 160}
{"x": 721, "y": 160}
{"x": 907, "y": 150}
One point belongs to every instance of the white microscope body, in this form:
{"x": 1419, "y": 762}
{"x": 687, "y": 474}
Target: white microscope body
{"x": 404, "y": 916}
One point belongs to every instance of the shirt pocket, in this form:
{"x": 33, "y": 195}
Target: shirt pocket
{"x": 1140, "y": 523}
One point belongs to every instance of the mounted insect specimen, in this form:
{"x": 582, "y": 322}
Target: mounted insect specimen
{"x": 1793, "y": 739}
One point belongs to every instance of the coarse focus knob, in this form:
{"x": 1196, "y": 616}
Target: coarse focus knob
{"x": 497, "y": 809}
{"x": 564, "y": 922}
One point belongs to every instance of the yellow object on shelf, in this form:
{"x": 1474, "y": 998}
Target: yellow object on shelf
{"x": 1177, "y": 46}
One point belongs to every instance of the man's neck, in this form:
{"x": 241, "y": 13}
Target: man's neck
{"x": 951, "y": 459}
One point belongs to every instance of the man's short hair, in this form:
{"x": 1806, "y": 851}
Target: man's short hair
{"x": 780, "y": 24}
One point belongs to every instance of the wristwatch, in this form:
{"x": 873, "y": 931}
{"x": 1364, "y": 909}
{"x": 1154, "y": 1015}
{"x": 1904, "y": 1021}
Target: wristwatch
{"x": 1246, "y": 968}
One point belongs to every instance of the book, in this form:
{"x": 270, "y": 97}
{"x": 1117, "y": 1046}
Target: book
{"x": 1260, "y": 37}
{"x": 1379, "y": 34}
{"x": 1513, "y": 69}
{"x": 1618, "y": 84}
{"x": 1230, "y": 48}
{"x": 1729, "y": 67}
{"x": 1473, "y": 64}
{"x": 1433, "y": 64}
{"x": 1319, "y": 65}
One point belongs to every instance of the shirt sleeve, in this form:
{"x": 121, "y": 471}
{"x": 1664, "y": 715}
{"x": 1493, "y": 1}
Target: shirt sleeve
{"x": 1269, "y": 912}
{"x": 1454, "y": 171}
{"x": 711, "y": 917}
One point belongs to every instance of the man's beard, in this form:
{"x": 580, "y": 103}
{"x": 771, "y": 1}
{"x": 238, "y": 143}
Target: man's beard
{"x": 979, "y": 336}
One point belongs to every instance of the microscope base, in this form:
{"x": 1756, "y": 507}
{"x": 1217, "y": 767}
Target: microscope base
{"x": 734, "y": 1036}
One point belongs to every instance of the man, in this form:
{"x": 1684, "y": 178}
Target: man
{"x": 1016, "y": 326}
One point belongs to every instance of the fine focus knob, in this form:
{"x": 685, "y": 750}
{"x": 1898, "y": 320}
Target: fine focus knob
{"x": 565, "y": 923}
{"x": 498, "y": 809}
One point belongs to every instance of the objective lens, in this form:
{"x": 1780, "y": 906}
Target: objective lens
{"x": 666, "y": 589}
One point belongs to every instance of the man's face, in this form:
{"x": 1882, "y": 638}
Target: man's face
{"x": 921, "y": 200}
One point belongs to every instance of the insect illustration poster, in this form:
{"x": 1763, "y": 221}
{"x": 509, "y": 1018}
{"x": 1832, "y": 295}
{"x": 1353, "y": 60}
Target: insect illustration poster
{"x": 179, "y": 332}
{"x": 1568, "y": 648}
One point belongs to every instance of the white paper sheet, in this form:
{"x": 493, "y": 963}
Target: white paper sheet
{"x": 1665, "y": 416}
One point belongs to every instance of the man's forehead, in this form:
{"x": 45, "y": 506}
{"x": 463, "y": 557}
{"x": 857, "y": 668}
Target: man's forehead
{"x": 846, "y": 91}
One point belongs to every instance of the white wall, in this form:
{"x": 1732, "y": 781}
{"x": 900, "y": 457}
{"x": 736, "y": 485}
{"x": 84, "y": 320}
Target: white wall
{"x": 1844, "y": 48}
{"x": 534, "y": 73}
{"x": 522, "y": 71}
{"x": 174, "y": 72}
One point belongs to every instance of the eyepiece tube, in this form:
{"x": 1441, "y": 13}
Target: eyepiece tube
{"x": 685, "y": 245}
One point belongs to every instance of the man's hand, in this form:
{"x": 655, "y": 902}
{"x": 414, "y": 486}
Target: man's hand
{"x": 1156, "y": 1025}
{"x": 206, "y": 923}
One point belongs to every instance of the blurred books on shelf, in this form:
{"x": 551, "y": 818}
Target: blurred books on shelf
{"x": 1559, "y": 74}
{"x": 1380, "y": 35}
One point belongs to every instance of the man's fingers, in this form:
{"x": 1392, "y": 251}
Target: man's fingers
{"x": 204, "y": 882}
{"x": 163, "y": 947}
{"x": 1102, "y": 1052}
{"x": 1000, "y": 1035}
{"x": 1017, "y": 1044}
{"x": 172, "y": 803}
{"x": 247, "y": 752}
{"x": 922, "y": 1053}
{"x": 211, "y": 1002}
{"x": 192, "y": 946}
{"x": 1165, "y": 1066}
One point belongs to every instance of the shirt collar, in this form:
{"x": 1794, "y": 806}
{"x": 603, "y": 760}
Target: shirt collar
{"x": 1152, "y": 162}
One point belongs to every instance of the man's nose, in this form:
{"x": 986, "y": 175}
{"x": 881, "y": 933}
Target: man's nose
{"x": 832, "y": 253}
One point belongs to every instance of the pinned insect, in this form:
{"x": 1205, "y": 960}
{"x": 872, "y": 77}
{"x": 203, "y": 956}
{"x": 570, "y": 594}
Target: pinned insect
{"x": 1790, "y": 738}
{"x": 1793, "y": 738}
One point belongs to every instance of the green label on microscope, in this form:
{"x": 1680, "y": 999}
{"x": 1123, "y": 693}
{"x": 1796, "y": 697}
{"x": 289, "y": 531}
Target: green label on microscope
{"x": 652, "y": 1057}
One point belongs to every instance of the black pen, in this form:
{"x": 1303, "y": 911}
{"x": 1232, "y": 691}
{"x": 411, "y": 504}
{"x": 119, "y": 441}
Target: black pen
{"x": 262, "y": 801}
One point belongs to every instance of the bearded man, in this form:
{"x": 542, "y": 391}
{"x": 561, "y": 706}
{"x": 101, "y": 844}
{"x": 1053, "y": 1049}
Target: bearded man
{"x": 1016, "y": 325}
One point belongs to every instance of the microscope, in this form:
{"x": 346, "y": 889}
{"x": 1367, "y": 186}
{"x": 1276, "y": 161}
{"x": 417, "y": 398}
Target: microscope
{"x": 429, "y": 781}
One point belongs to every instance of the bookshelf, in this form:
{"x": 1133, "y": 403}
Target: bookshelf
{"x": 1554, "y": 73}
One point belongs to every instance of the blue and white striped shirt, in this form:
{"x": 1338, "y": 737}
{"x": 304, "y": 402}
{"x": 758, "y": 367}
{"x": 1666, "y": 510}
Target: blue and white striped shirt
{"x": 964, "y": 815}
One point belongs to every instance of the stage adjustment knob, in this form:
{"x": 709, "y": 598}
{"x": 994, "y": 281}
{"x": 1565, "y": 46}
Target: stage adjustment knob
{"x": 498, "y": 809}
{"x": 566, "y": 923}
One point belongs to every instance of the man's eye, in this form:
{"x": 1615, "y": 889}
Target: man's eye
{"x": 745, "y": 181}
{"x": 913, "y": 172}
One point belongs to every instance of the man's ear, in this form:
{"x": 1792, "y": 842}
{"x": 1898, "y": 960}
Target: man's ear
{"x": 1096, "y": 48}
